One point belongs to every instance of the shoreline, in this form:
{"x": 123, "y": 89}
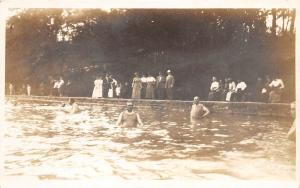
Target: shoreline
{"x": 244, "y": 108}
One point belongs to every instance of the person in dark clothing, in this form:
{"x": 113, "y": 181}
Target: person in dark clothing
{"x": 266, "y": 89}
{"x": 225, "y": 90}
{"x": 144, "y": 86}
{"x": 23, "y": 90}
{"x": 112, "y": 87}
{"x": 125, "y": 90}
{"x": 41, "y": 89}
{"x": 68, "y": 91}
{"x": 170, "y": 81}
{"x": 213, "y": 94}
{"x": 221, "y": 92}
{"x": 240, "y": 91}
{"x": 106, "y": 86}
{"x": 51, "y": 86}
{"x": 160, "y": 86}
{"x": 257, "y": 93}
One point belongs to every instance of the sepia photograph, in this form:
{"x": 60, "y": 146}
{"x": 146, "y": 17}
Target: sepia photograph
{"x": 116, "y": 94}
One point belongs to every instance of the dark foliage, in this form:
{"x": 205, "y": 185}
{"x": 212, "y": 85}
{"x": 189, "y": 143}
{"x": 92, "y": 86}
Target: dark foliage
{"x": 196, "y": 44}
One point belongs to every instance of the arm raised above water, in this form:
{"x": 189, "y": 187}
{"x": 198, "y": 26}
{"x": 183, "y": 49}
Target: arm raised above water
{"x": 120, "y": 119}
{"x": 139, "y": 120}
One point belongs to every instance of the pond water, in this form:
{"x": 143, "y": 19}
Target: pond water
{"x": 40, "y": 140}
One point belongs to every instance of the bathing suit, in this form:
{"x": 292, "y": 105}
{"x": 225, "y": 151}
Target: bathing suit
{"x": 197, "y": 111}
{"x": 129, "y": 119}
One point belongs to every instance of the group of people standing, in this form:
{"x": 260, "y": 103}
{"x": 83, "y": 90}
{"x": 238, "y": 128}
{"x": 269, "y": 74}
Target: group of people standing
{"x": 53, "y": 88}
{"x": 24, "y": 90}
{"x": 161, "y": 87}
{"x": 149, "y": 87}
{"x": 58, "y": 87}
{"x": 106, "y": 87}
{"x": 144, "y": 87}
{"x": 263, "y": 91}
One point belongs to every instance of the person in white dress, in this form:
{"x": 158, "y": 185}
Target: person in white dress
{"x": 55, "y": 88}
{"x": 28, "y": 90}
{"x": 151, "y": 81}
{"x": 60, "y": 86}
{"x": 113, "y": 84}
{"x": 231, "y": 89}
{"x": 11, "y": 89}
{"x": 118, "y": 90}
{"x": 97, "y": 92}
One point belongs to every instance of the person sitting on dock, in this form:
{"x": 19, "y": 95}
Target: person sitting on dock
{"x": 214, "y": 91}
{"x": 129, "y": 118}
{"x": 198, "y": 110}
{"x": 240, "y": 91}
{"x": 73, "y": 106}
{"x": 276, "y": 92}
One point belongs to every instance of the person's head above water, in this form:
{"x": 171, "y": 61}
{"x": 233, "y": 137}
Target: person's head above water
{"x": 129, "y": 106}
{"x": 71, "y": 101}
{"x": 293, "y": 109}
{"x": 14, "y": 102}
{"x": 196, "y": 100}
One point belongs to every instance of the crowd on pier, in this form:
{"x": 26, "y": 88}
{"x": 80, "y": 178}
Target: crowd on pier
{"x": 141, "y": 87}
{"x": 161, "y": 87}
{"x": 264, "y": 90}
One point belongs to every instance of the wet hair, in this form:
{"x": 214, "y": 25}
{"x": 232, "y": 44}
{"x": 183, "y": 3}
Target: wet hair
{"x": 71, "y": 101}
{"x": 129, "y": 103}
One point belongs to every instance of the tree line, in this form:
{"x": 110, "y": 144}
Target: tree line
{"x": 195, "y": 43}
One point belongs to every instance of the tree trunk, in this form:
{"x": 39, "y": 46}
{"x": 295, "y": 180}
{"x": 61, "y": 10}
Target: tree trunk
{"x": 273, "y": 29}
{"x": 283, "y": 20}
{"x": 287, "y": 24}
{"x": 293, "y": 15}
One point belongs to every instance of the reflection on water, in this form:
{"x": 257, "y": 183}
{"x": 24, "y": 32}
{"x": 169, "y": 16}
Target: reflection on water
{"x": 42, "y": 141}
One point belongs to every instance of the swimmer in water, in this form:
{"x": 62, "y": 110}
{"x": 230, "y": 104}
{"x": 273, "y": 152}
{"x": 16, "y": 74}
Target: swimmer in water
{"x": 12, "y": 102}
{"x": 198, "y": 111}
{"x": 129, "y": 118}
{"x": 291, "y": 135}
{"x": 74, "y": 106}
